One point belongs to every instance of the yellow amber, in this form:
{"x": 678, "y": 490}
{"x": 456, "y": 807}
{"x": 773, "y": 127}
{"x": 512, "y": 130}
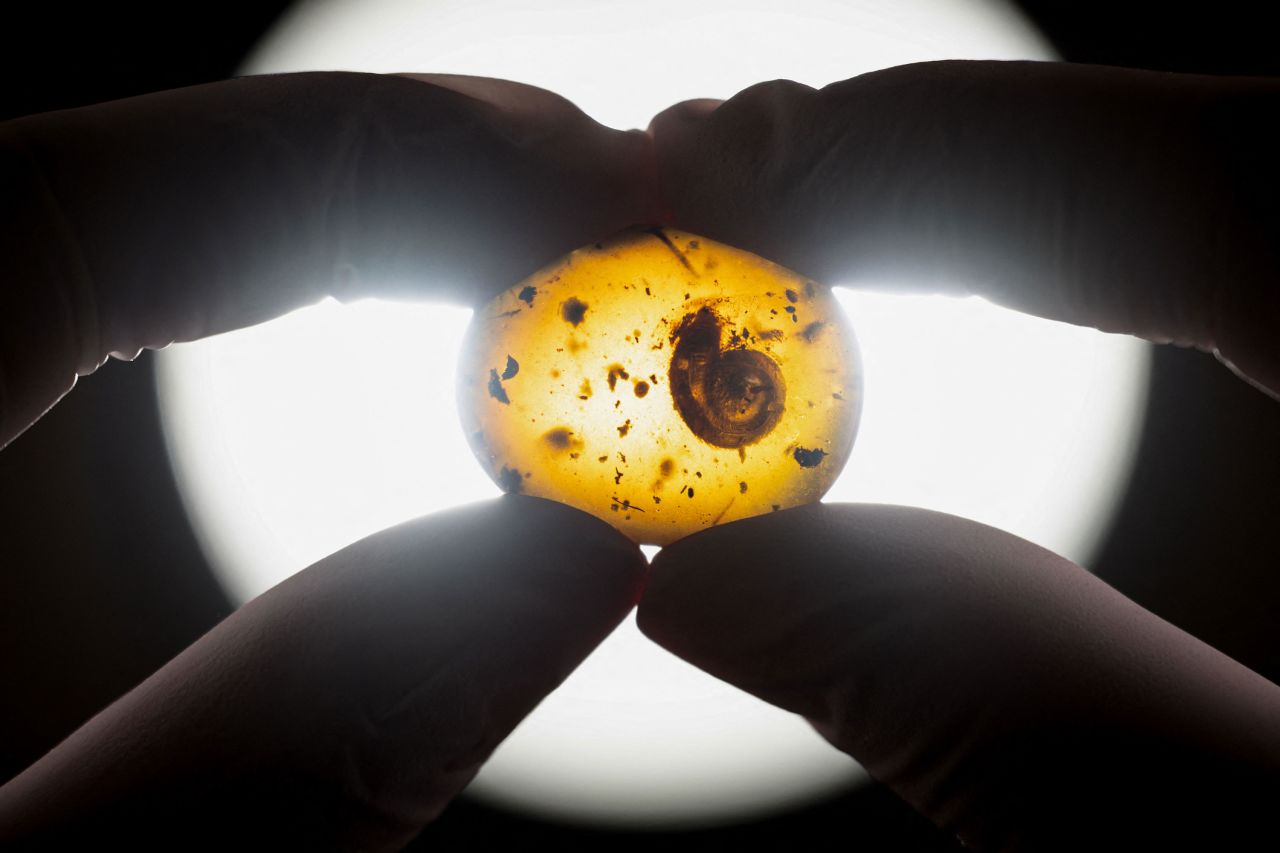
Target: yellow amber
{"x": 663, "y": 382}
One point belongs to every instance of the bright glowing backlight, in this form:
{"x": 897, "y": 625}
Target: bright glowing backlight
{"x": 297, "y": 437}
{"x": 294, "y": 438}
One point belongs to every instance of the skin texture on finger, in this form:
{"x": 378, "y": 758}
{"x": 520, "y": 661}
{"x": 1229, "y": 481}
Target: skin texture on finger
{"x": 345, "y": 707}
{"x": 176, "y": 215}
{"x": 1005, "y": 693}
{"x": 1130, "y": 201}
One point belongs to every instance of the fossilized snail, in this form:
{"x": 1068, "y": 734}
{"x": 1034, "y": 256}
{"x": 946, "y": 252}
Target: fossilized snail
{"x": 728, "y": 397}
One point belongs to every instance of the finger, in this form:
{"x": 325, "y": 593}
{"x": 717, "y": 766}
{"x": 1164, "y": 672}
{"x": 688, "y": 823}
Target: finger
{"x": 348, "y": 704}
{"x": 1124, "y": 200}
{"x": 675, "y": 125}
{"x": 185, "y": 213}
{"x": 684, "y": 115}
{"x": 508, "y": 96}
{"x": 1004, "y": 692}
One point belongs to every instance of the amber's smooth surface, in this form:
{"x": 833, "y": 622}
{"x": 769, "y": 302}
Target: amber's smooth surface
{"x": 663, "y": 382}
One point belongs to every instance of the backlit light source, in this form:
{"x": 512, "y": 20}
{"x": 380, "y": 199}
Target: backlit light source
{"x": 297, "y": 437}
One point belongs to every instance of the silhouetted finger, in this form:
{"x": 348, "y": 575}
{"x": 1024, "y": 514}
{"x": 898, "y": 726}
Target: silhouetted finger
{"x": 345, "y": 706}
{"x": 175, "y": 215}
{"x": 1004, "y": 692}
{"x": 1131, "y": 201}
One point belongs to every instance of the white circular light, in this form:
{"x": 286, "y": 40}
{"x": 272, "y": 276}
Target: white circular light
{"x": 296, "y": 437}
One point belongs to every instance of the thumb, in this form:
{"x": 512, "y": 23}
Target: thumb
{"x": 674, "y": 131}
{"x": 682, "y": 117}
{"x": 1005, "y": 693}
{"x": 347, "y": 705}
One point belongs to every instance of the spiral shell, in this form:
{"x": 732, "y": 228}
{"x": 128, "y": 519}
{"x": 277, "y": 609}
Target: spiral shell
{"x": 727, "y": 397}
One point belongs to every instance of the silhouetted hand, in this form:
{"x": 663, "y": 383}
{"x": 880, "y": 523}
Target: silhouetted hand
{"x": 1131, "y": 201}
{"x": 345, "y": 706}
{"x": 1007, "y": 694}
{"x": 172, "y": 216}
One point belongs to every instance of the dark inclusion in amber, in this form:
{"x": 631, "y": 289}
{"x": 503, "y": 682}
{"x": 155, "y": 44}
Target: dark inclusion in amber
{"x": 727, "y": 397}
{"x": 663, "y": 382}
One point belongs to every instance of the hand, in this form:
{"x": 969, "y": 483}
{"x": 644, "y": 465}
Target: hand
{"x": 367, "y": 168}
{"x": 348, "y": 704}
{"x": 176, "y": 215}
{"x": 1005, "y": 693}
{"x": 1008, "y": 695}
{"x": 1131, "y": 201}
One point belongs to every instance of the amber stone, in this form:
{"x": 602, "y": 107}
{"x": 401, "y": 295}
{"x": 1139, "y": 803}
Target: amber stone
{"x": 663, "y": 382}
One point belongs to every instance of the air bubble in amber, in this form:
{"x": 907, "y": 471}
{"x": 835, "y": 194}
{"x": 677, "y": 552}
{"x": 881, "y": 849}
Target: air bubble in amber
{"x": 663, "y": 382}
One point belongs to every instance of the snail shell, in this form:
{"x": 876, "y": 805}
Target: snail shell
{"x": 727, "y": 397}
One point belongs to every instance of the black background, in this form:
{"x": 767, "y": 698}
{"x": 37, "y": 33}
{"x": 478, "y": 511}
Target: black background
{"x": 101, "y": 581}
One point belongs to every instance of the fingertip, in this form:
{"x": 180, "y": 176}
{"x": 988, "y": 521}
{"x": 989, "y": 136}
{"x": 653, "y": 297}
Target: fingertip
{"x": 683, "y": 113}
{"x": 565, "y": 530}
{"x": 713, "y": 576}
{"x": 552, "y": 515}
{"x": 652, "y": 208}
{"x": 737, "y": 539}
